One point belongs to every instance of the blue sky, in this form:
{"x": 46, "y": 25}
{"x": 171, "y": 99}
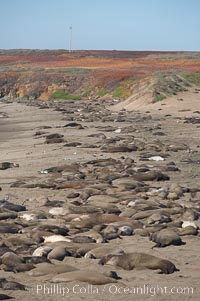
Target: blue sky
{"x": 100, "y": 24}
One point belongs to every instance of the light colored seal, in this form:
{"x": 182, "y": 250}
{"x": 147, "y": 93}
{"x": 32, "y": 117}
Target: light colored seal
{"x": 55, "y": 238}
{"x": 58, "y": 253}
{"x": 43, "y": 269}
{"x": 139, "y": 260}
{"x": 42, "y": 251}
{"x": 59, "y": 211}
{"x": 189, "y": 224}
{"x": 32, "y": 216}
{"x": 91, "y": 277}
{"x": 104, "y": 251}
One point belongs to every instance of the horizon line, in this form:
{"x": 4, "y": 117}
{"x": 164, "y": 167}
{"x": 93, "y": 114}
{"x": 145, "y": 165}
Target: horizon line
{"x": 109, "y": 50}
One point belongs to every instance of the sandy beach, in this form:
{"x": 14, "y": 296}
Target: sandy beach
{"x": 20, "y": 144}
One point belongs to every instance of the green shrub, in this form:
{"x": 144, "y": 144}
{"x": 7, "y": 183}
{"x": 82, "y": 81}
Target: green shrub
{"x": 119, "y": 92}
{"x": 159, "y": 97}
{"x": 63, "y": 95}
{"x": 102, "y": 92}
{"x": 192, "y": 77}
{"x": 87, "y": 92}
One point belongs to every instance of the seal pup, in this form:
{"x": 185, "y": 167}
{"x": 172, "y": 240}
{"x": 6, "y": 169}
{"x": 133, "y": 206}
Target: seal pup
{"x": 139, "y": 260}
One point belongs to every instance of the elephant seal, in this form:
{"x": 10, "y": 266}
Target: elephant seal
{"x": 4, "y": 249}
{"x": 17, "y": 240}
{"x": 42, "y": 251}
{"x": 93, "y": 235}
{"x": 7, "y": 214}
{"x": 10, "y": 258}
{"x": 58, "y": 253}
{"x": 32, "y": 216}
{"x": 139, "y": 260}
{"x": 11, "y": 285}
{"x": 166, "y": 237}
{"x": 187, "y": 231}
{"x": 13, "y": 263}
{"x": 54, "y": 136}
{"x": 19, "y": 268}
{"x": 36, "y": 259}
{"x": 11, "y": 206}
{"x": 54, "y": 140}
{"x": 50, "y": 269}
{"x": 55, "y": 238}
{"x": 74, "y": 125}
{"x": 190, "y": 215}
{"x": 9, "y": 228}
{"x": 186, "y": 224}
{"x": 151, "y": 176}
{"x": 6, "y": 165}
{"x": 74, "y": 167}
{"x": 121, "y": 149}
{"x": 83, "y": 239}
{"x": 91, "y": 277}
{"x": 104, "y": 251}
{"x": 5, "y": 297}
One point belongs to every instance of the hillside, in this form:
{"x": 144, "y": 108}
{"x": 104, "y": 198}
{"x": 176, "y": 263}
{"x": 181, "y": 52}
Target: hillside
{"x": 122, "y": 75}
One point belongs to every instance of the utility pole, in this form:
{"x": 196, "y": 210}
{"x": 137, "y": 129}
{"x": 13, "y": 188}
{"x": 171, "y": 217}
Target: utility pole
{"x": 70, "y": 39}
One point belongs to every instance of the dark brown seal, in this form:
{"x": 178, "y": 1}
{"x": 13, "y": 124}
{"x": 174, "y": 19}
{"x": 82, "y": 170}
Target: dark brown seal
{"x": 166, "y": 237}
{"x": 6, "y": 165}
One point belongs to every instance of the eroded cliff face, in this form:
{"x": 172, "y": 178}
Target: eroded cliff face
{"x": 34, "y": 74}
{"x": 40, "y": 85}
